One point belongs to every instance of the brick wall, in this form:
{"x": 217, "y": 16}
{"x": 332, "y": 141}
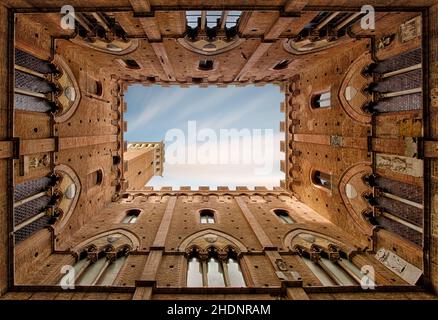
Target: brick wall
{"x": 433, "y": 83}
{"x": 3, "y": 162}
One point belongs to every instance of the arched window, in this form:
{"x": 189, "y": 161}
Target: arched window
{"x": 131, "y": 216}
{"x": 96, "y": 269}
{"x": 212, "y": 270}
{"x": 205, "y": 65}
{"x": 95, "y": 178}
{"x": 322, "y": 179}
{"x": 283, "y": 215}
{"x": 283, "y": 64}
{"x": 206, "y": 216}
{"x": 131, "y": 64}
{"x": 333, "y": 272}
{"x": 94, "y": 86}
{"x": 321, "y": 100}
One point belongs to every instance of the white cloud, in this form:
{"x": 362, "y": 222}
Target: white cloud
{"x": 159, "y": 104}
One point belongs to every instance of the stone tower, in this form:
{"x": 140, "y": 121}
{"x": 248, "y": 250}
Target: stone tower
{"x": 143, "y": 160}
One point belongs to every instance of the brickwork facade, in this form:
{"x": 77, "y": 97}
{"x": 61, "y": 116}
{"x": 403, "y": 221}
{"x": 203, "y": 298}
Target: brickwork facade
{"x": 360, "y": 173}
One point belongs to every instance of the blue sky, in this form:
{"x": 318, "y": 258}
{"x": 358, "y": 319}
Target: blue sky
{"x": 156, "y": 111}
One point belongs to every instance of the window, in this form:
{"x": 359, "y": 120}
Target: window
{"x": 321, "y": 100}
{"x": 213, "y": 271}
{"x": 206, "y": 216}
{"x": 232, "y": 19}
{"x": 213, "y": 18}
{"x": 322, "y": 179}
{"x": 101, "y": 272}
{"x": 193, "y": 18}
{"x": 94, "y": 87}
{"x": 205, "y": 65}
{"x": 341, "y": 272}
{"x": 282, "y": 64}
{"x": 116, "y": 160}
{"x": 131, "y": 64}
{"x": 95, "y": 178}
{"x": 284, "y": 216}
{"x": 131, "y": 216}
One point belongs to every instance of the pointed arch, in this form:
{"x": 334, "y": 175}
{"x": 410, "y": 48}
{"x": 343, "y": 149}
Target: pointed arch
{"x": 292, "y": 238}
{"x": 69, "y": 201}
{"x": 230, "y": 240}
{"x": 127, "y": 239}
{"x": 351, "y": 182}
{"x": 71, "y": 94}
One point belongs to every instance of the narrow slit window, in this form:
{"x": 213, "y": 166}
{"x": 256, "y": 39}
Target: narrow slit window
{"x": 284, "y": 216}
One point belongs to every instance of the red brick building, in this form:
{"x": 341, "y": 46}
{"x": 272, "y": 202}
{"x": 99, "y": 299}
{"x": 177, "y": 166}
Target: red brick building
{"x": 360, "y": 126}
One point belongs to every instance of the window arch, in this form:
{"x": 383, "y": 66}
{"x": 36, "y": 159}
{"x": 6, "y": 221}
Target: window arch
{"x": 206, "y": 65}
{"x": 97, "y": 268}
{"x": 95, "y": 178}
{"x": 94, "y": 86}
{"x": 214, "y": 268}
{"x": 282, "y": 64}
{"x": 321, "y": 100}
{"x": 322, "y": 179}
{"x": 131, "y": 216}
{"x": 130, "y": 64}
{"x": 331, "y": 268}
{"x": 206, "y": 216}
{"x": 283, "y": 215}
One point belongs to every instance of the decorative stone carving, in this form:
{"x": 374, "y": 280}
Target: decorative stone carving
{"x": 35, "y": 162}
{"x": 350, "y": 191}
{"x": 112, "y": 238}
{"x": 307, "y": 237}
{"x": 410, "y": 29}
{"x": 399, "y": 266}
{"x": 350, "y": 93}
{"x": 111, "y": 256}
{"x": 203, "y": 254}
{"x": 70, "y": 191}
{"x": 400, "y": 164}
{"x": 385, "y": 41}
{"x": 281, "y": 264}
{"x": 222, "y": 254}
{"x": 210, "y": 238}
{"x": 92, "y": 256}
{"x": 206, "y": 47}
{"x": 336, "y": 141}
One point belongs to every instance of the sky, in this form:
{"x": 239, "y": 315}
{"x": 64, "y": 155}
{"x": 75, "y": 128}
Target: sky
{"x": 213, "y": 136}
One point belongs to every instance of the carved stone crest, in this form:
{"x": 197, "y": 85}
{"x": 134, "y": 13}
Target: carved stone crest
{"x": 396, "y": 264}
